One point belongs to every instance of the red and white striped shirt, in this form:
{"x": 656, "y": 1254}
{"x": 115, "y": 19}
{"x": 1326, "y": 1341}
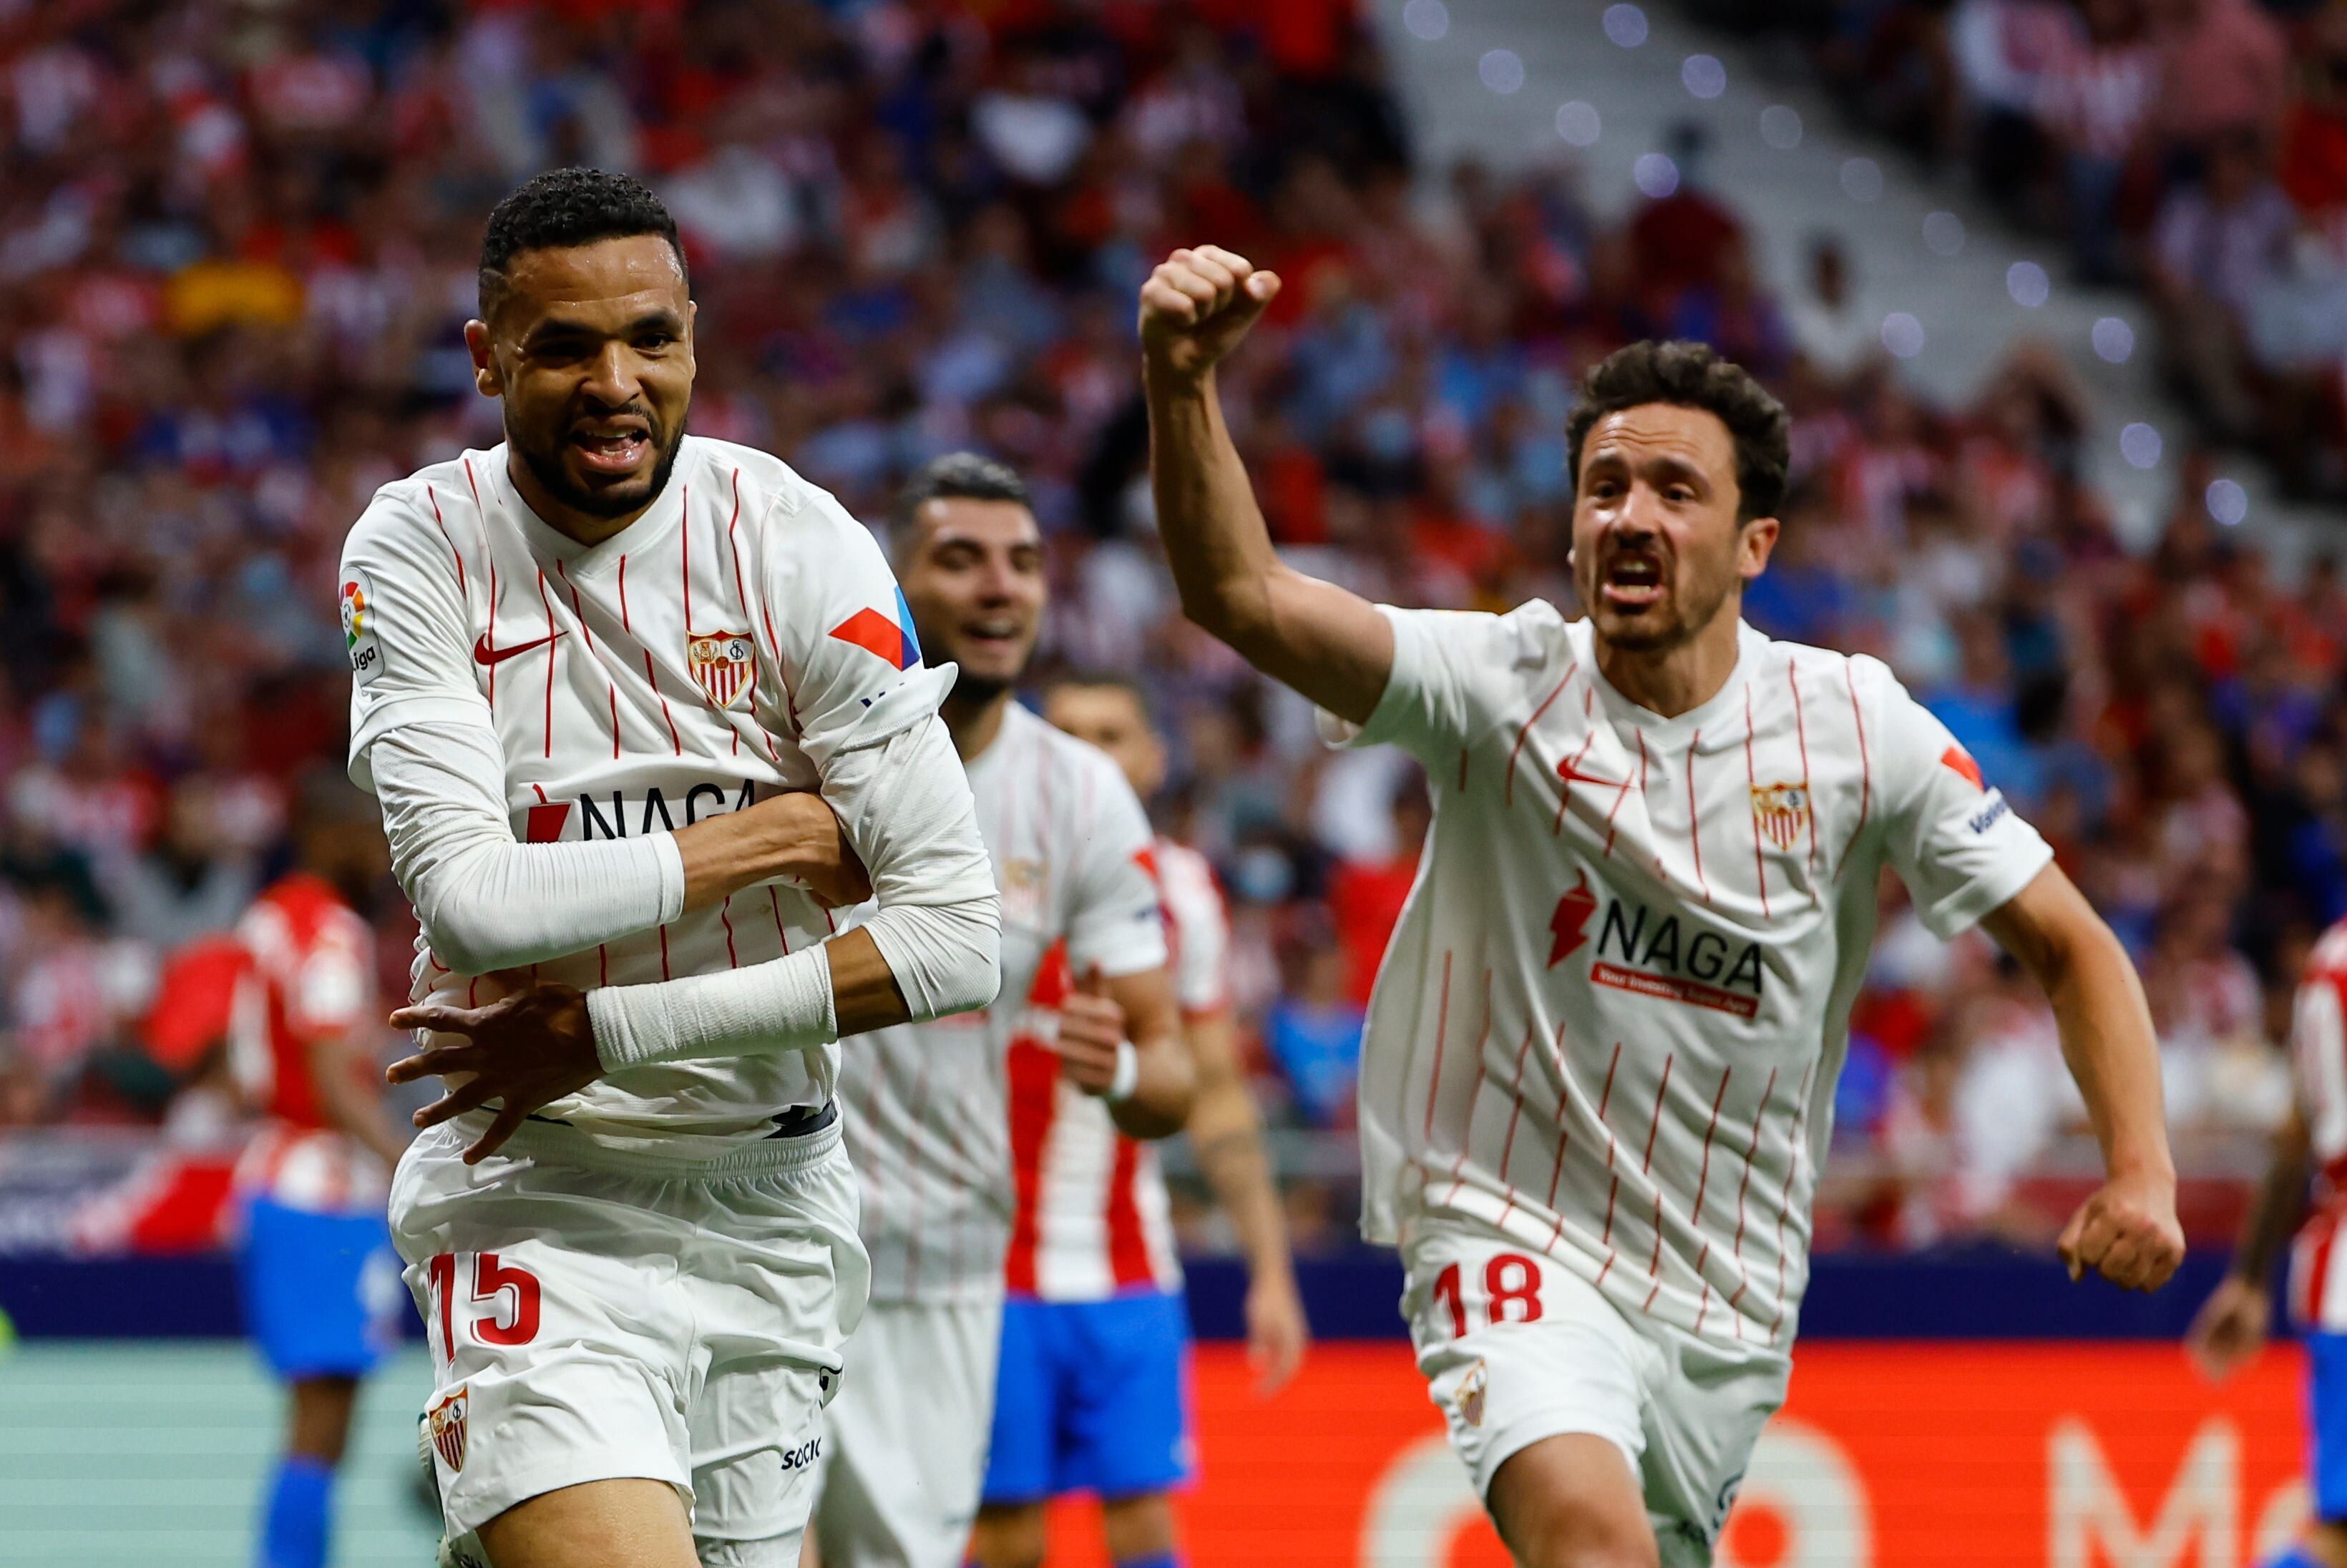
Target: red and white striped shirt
{"x": 2318, "y": 1052}
{"x": 1610, "y": 1020}
{"x": 308, "y": 977}
{"x": 1093, "y": 1218}
{"x": 928, "y": 1124}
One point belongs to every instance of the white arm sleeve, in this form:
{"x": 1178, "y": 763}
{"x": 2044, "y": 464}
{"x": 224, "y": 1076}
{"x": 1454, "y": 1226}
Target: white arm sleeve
{"x": 1456, "y": 675}
{"x": 486, "y": 901}
{"x": 904, "y": 805}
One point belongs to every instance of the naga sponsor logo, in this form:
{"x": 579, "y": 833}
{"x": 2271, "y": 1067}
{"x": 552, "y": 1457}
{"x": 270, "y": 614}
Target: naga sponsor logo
{"x": 1570, "y": 923}
{"x": 1657, "y": 956}
{"x": 1982, "y": 821}
{"x": 617, "y": 815}
{"x": 803, "y": 1456}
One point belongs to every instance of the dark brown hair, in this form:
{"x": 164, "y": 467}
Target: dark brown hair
{"x": 1693, "y": 375}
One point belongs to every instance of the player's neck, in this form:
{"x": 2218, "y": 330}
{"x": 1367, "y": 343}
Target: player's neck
{"x": 974, "y": 723}
{"x": 1678, "y": 679}
{"x": 580, "y": 527}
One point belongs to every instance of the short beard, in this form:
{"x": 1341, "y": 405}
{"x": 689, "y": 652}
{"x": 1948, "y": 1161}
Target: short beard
{"x": 971, "y": 692}
{"x": 546, "y": 466}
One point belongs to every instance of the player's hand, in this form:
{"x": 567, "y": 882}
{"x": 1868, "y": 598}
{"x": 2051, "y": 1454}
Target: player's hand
{"x": 1197, "y": 305}
{"x": 820, "y": 855}
{"x": 1092, "y": 1027}
{"x": 1277, "y": 1331}
{"x": 2230, "y": 1329}
{"x": 526, "y": 1049}
{"x": 2127, "y": 1232}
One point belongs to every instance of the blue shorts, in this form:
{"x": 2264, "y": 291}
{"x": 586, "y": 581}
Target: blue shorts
{"x": 1091, "y": 1396}
{"x": 2326, "y": 1365}
{"x": 321, "y": 1291}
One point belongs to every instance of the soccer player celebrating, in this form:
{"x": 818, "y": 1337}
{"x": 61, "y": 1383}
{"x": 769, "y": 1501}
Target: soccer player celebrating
{"x": 639, "y": 709}
{"x": 320, "y": 1281}
{"x": 2231, "y": 1327}
{"x": 1598, "y": 1075}
{"x": 1090, "y": 1394}
{"x": 928, "y": 1123}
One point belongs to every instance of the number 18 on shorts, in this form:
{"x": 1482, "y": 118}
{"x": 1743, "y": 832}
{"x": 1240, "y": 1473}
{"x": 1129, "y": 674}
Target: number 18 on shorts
{"x": 1517, "y": 1346}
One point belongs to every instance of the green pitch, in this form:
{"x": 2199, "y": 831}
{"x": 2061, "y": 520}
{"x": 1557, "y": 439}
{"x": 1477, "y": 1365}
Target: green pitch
{"x": 143, "y": 1454}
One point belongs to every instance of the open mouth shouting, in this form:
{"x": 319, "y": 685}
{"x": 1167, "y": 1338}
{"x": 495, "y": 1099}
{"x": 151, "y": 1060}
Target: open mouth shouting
{"x": 613, "y": 447}
{"x": 1632, "y": 580}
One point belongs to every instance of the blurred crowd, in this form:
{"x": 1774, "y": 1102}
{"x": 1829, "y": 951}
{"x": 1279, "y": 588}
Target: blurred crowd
{"x": 2195, "y": 148}
{"x": 236, "y": 255}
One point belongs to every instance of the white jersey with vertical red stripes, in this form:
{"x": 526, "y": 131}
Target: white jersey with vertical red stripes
{"x": 1094, "y": 1215}
{"x": 716, "y": 651}
{"x": 1610, "y": 1020}
{"x": 2317, "y": 1056}
{"x": 925, "y": 1109}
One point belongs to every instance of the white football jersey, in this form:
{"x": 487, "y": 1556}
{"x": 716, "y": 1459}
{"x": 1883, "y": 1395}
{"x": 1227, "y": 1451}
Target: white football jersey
{"x": 1610, "y": 1020}
{"x": 925, "y": 1108}
{"x": 718, "y": 649}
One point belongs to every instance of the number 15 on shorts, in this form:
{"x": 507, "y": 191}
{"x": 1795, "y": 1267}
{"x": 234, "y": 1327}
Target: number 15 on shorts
{"x": 501, "y": 1301}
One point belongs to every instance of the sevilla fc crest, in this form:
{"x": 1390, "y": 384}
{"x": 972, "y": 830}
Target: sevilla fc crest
{"x": 1781, "y": 812}
{"x": 1472, "y": 1389}
{"x": 446, "y": 1422}
{"x": 725, "y": 665}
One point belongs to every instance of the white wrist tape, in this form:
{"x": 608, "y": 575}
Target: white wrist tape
{"x": 1128, "y": 1074}
{"x": 784, "y": 1004}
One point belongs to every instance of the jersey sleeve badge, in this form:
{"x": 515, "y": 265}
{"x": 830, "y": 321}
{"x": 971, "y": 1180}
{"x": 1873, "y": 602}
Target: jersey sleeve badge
{"x": 358, "y": 606}
{"x": 725, "y": 665}
{"x": 876, "y": 634}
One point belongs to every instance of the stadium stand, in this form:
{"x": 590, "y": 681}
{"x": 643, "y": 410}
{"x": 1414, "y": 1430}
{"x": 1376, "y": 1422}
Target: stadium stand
{"x": 235, "y": 264}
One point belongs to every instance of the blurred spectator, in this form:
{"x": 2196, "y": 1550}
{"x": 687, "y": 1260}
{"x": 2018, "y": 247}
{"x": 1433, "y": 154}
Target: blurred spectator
{"x": 238, "y": 259}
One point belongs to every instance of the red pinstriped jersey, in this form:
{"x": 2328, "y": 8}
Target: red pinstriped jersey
{"x": 2318, "y": 1054}
{"x": 1093, "y": 1218}
{"x": 1610, "y": 1018}
{"x": 718, "y": 649}
{"x": 309, "y": 974}
{"x": 928, "y": 1106}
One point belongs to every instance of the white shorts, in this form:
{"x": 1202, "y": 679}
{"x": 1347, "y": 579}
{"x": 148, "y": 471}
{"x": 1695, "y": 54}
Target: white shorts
{"x": 1544, "y": 1354}
{"x": 905, "y": 1443}
{"x": 596, "y": 1316}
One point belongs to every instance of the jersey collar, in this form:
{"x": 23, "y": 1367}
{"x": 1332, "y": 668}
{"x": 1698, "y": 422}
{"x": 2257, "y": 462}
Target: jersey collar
{"x": 1707, "y": 714}
{"x": 552, "y": 546}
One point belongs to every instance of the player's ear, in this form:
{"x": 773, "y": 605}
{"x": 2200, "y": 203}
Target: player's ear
{"x": 487, "y": 377}
{"x": 1754, "y": 541}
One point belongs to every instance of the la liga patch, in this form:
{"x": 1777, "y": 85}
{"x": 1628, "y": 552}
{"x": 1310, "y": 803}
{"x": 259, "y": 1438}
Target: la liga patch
{"x": 359, "y": 611}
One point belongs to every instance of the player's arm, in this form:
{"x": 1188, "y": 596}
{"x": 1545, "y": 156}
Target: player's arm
{"x": 343, "y": 1077}
{"x": 1968, "y": 859}
{"x": 1120, "y": 1041}
{"x": 888, "y": 772}
{"x": 1329, "y": 644}
{"x": 1226, "y": 1138}
{"x": 2230, "y": 1328}
{"x": 2128, "y": 1231}
{"x": 424, "y": 741}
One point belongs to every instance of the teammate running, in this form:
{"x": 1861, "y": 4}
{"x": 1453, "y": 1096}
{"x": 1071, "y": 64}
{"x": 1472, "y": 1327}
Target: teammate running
{"x": 1598, "y": 1075}
{"x": 1091, "y": 1394}
{"x": 622, "y": 692}
{"x": 2231, "y": 1327}
{"x": 928, "y": 1124}
{"x": 320, "y": 1285}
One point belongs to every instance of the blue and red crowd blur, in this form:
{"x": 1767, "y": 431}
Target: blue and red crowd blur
{"x": 235, "y": 256}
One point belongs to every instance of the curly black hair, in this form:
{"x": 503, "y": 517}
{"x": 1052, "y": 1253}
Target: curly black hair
{"x": 564, "y": 207}
{"x": 1693, "y": 375}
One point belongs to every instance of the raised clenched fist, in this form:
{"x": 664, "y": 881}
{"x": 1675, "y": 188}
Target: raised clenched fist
{"x": 1197, "y": 305}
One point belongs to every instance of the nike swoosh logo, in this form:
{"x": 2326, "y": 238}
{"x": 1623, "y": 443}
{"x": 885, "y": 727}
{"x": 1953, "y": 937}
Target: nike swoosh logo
{"x": 483, "y": 653}
{"x": 1572, "y": 775}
